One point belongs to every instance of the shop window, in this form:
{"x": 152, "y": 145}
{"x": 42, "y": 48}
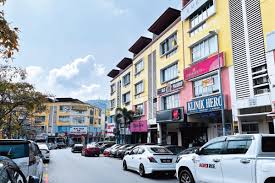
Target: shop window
{"x": 169, "y": 44}
{"x": 126, "y": 79}
{"x": 206, "y": 86}
{"x": 139, "y": 87}
{"x": 169, "y": 73}
{"x": 170, "y": 102}
{"x": 139, "y": 66}
{"x": 204, "y": 49}
{"x": 126, "y": 98}
{"x": 250, "y": 128}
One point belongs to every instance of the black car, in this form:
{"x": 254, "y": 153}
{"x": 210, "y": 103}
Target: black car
{"x": 10, "y": 172}
{"x": 77, "y": 148}
{"x": 121, "y": 151}
{"x": 174, "y": 149}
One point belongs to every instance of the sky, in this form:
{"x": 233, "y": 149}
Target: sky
{"x": 67, "y": 47}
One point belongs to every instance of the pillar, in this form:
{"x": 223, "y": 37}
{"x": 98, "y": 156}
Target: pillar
{"x": 179, "y": 138}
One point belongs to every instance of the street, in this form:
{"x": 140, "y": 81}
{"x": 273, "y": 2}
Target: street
{"x": 66, "y": 167}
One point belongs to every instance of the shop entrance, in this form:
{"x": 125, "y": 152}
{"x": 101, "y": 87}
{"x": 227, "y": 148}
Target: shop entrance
{"x": 193, "y": 136}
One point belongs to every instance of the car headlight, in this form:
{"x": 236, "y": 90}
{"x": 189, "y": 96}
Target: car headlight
{"x": 178, "y": 159}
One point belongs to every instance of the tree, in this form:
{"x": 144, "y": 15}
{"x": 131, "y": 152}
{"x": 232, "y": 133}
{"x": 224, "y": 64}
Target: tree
{"x": 8, "y": 36}
{"x": 124, "y": 116}
{"x": 18, "y": 100}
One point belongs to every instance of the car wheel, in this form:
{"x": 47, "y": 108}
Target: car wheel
{"x": 141, "y": 170}
{"x": 125, "y": 165}
{"x": 185, "y": 176}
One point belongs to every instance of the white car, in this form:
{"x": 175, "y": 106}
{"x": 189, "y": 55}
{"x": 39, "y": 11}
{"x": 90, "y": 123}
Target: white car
{"x": 45, "y": 152}
{"x": 25, "y": 154}
{"x": 230, "y": 159}
{"x": 147, "y": 159}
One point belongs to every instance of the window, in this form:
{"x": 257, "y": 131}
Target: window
{"x": 250, "y": 128}
{"x": 139, "y": 88}
{"x": 204, "y": 49}
{"x": 91, "y": 120}
{"x": 139, "y": 109}
{"x": 202, "y": 14}
{"x": 260, "y": 80}
{"x": 160, "y": 150}
{"x": 99, "y": 121}
{"x": 65, "y": 108}
{"x": 141, "y": 151}
{"x": 238, "y": 146}
{"x": 39, "y": 119}
{"x": 169, "y": 44}
{"x": 113, "y": 88}
{"x": 169, "y": 73}
{"x": 64, "y": 119}
{"x": 126, "y": 79}
{"x": 215, "y": 148}
{"x": 78, "y": 120}
{"x": 171, "y": 101}
{"x": 14, "y": 151}
{"x": 139, "y": 66}
{"x": 91, "y": 112}
{"x": 268, "y": 144}
{"x": 206, "y": 86}
{"x": 135, "y": 151}
{"x": 113, "y": 103}
{"x": 126, "y": 98}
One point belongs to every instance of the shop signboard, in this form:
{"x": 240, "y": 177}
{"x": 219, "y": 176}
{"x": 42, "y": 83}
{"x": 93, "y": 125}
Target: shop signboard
{"x": 170, "y": 115}
{"x": 170, "y": 87}
{"x": 203, "y": 67}
{"x": 206, "y": 104}
{"x": 191, "y": 7}
{"x": 139, "y": 126}
{"x": 78, "y": 130}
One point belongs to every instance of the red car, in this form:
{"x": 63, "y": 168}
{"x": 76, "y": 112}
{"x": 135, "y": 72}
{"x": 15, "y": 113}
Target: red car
{"x": 90, "y": 150}
{"x": 106, "y": 152}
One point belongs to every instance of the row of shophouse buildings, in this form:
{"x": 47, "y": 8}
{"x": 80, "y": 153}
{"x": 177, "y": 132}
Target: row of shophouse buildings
{"x": 72, "y": 119}
{"x": 173, "y": 78}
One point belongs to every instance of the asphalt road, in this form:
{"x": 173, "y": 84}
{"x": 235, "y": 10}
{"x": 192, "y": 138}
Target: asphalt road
{"x": 66, "y": 167}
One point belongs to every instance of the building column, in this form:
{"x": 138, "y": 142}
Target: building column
{"x": 149, "y": 136}
{"x": 160, "y": 133}
{"x": 179, "y": 138}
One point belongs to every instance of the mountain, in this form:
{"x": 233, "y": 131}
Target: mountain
{"x": 102, "y": 104}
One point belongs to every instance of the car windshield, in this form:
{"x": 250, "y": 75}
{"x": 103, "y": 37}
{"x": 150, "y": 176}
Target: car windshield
{"x": 160, "y": 150}
{"x": 14, "y": 151}
{"x": 268, "y": 144}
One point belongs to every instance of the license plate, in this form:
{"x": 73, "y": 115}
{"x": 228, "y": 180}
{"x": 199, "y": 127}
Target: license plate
{"x": 166, "y": 160}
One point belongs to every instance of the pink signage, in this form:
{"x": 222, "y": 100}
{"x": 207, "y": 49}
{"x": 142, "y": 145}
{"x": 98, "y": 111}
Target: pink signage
{"x": 203, "y": 67}
{"x": 139, "y": 126}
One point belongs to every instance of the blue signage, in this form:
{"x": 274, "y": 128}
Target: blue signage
{"x": 207, "y": 104}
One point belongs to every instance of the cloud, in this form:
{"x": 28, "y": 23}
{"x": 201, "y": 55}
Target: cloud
{"x": 81, "y": 78}
{"x": 118, "y": 12}
{"x": 112, "y": 7}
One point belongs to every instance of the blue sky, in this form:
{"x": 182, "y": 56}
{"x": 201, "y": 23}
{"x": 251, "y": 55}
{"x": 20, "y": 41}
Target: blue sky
{"x": 68, "y": 47}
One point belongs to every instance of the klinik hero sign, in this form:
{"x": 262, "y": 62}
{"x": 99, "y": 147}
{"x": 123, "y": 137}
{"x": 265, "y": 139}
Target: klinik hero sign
{"x": 207, "y": 104}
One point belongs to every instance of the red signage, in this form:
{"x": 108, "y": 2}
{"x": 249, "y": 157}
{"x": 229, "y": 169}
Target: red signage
{"x": 203, "y": 67}
{"x": 176, "y": 114}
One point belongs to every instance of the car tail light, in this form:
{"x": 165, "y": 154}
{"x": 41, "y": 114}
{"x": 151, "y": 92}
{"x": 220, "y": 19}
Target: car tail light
{"x": 152, "y": 159}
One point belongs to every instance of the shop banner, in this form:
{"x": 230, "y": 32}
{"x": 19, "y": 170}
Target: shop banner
{"x": 170, "y": 87}
{"x": 207, "y": 104}
{"x": 139, "y": 126}
{"x": 203, "y": 67}
{"x": 78, "y": 130}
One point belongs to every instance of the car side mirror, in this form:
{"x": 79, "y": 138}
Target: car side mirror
{"x": 198, "y": 152}
{"x": 33, "y": 179}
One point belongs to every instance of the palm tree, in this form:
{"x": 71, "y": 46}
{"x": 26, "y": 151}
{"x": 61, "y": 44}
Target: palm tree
{"x": 124, "y": 116}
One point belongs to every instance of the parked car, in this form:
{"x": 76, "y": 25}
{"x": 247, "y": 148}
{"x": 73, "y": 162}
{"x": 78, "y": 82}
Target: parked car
{"x": 45, "y": 152}
{"x": 120, "y": 148}
{"x": 11, "y": 173}
{"x": 114, "y": 149}
{"x": 236, "y": 158}
{"x": 174, "y": 149}
{"x": 121, "y": 151}
{"x": 25, "y": 154}
{"x": 189, "y": 150}
{"x": 106, "y": 145}
{"x": 60, "y": 145}
{"x": 77, "y": 148}
{"x": 90, "y": 150}
{"x": 52, "y": 146}
{"x": 148, "y": 159}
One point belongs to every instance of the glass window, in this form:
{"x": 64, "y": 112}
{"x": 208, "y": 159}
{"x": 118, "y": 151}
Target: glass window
{"x": 159, "y": 150}
{"x": 78, "y": 120}
{"x": 171, "y": 101}
{"x": 250, "y": 128}
{"x": 139, "y": 109}
{"x": 238, "y": 146}
{"x": 113, "y": 103}
{"x": 39, "y": 119}
{"x": 139, "y": 88}
{"x": 139, "y": 67}
{"x": 126, "y": 97}
{"x": 113, "y": 88}
{"x": 91, "y": 120}
{"x": 169, "y": 73}
{"x": 206, "y": 86}
{"x": 14, "y": 151}
{"x": 64, "y": 119}
{"x": 141, "y": 151}
{"x": 215, "y": 148}
{"x": 126, "y": 79}
{"x": 169, "y": 44}
{"x": 64, "y": 108}
{"x": 268, "y": 144}
{"x": 135, "y": 151}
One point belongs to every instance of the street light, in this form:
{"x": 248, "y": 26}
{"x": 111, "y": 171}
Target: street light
{"x": 214, "y": 33}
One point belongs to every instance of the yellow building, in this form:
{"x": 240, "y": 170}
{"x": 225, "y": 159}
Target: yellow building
{"x": 69, "y": 117}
